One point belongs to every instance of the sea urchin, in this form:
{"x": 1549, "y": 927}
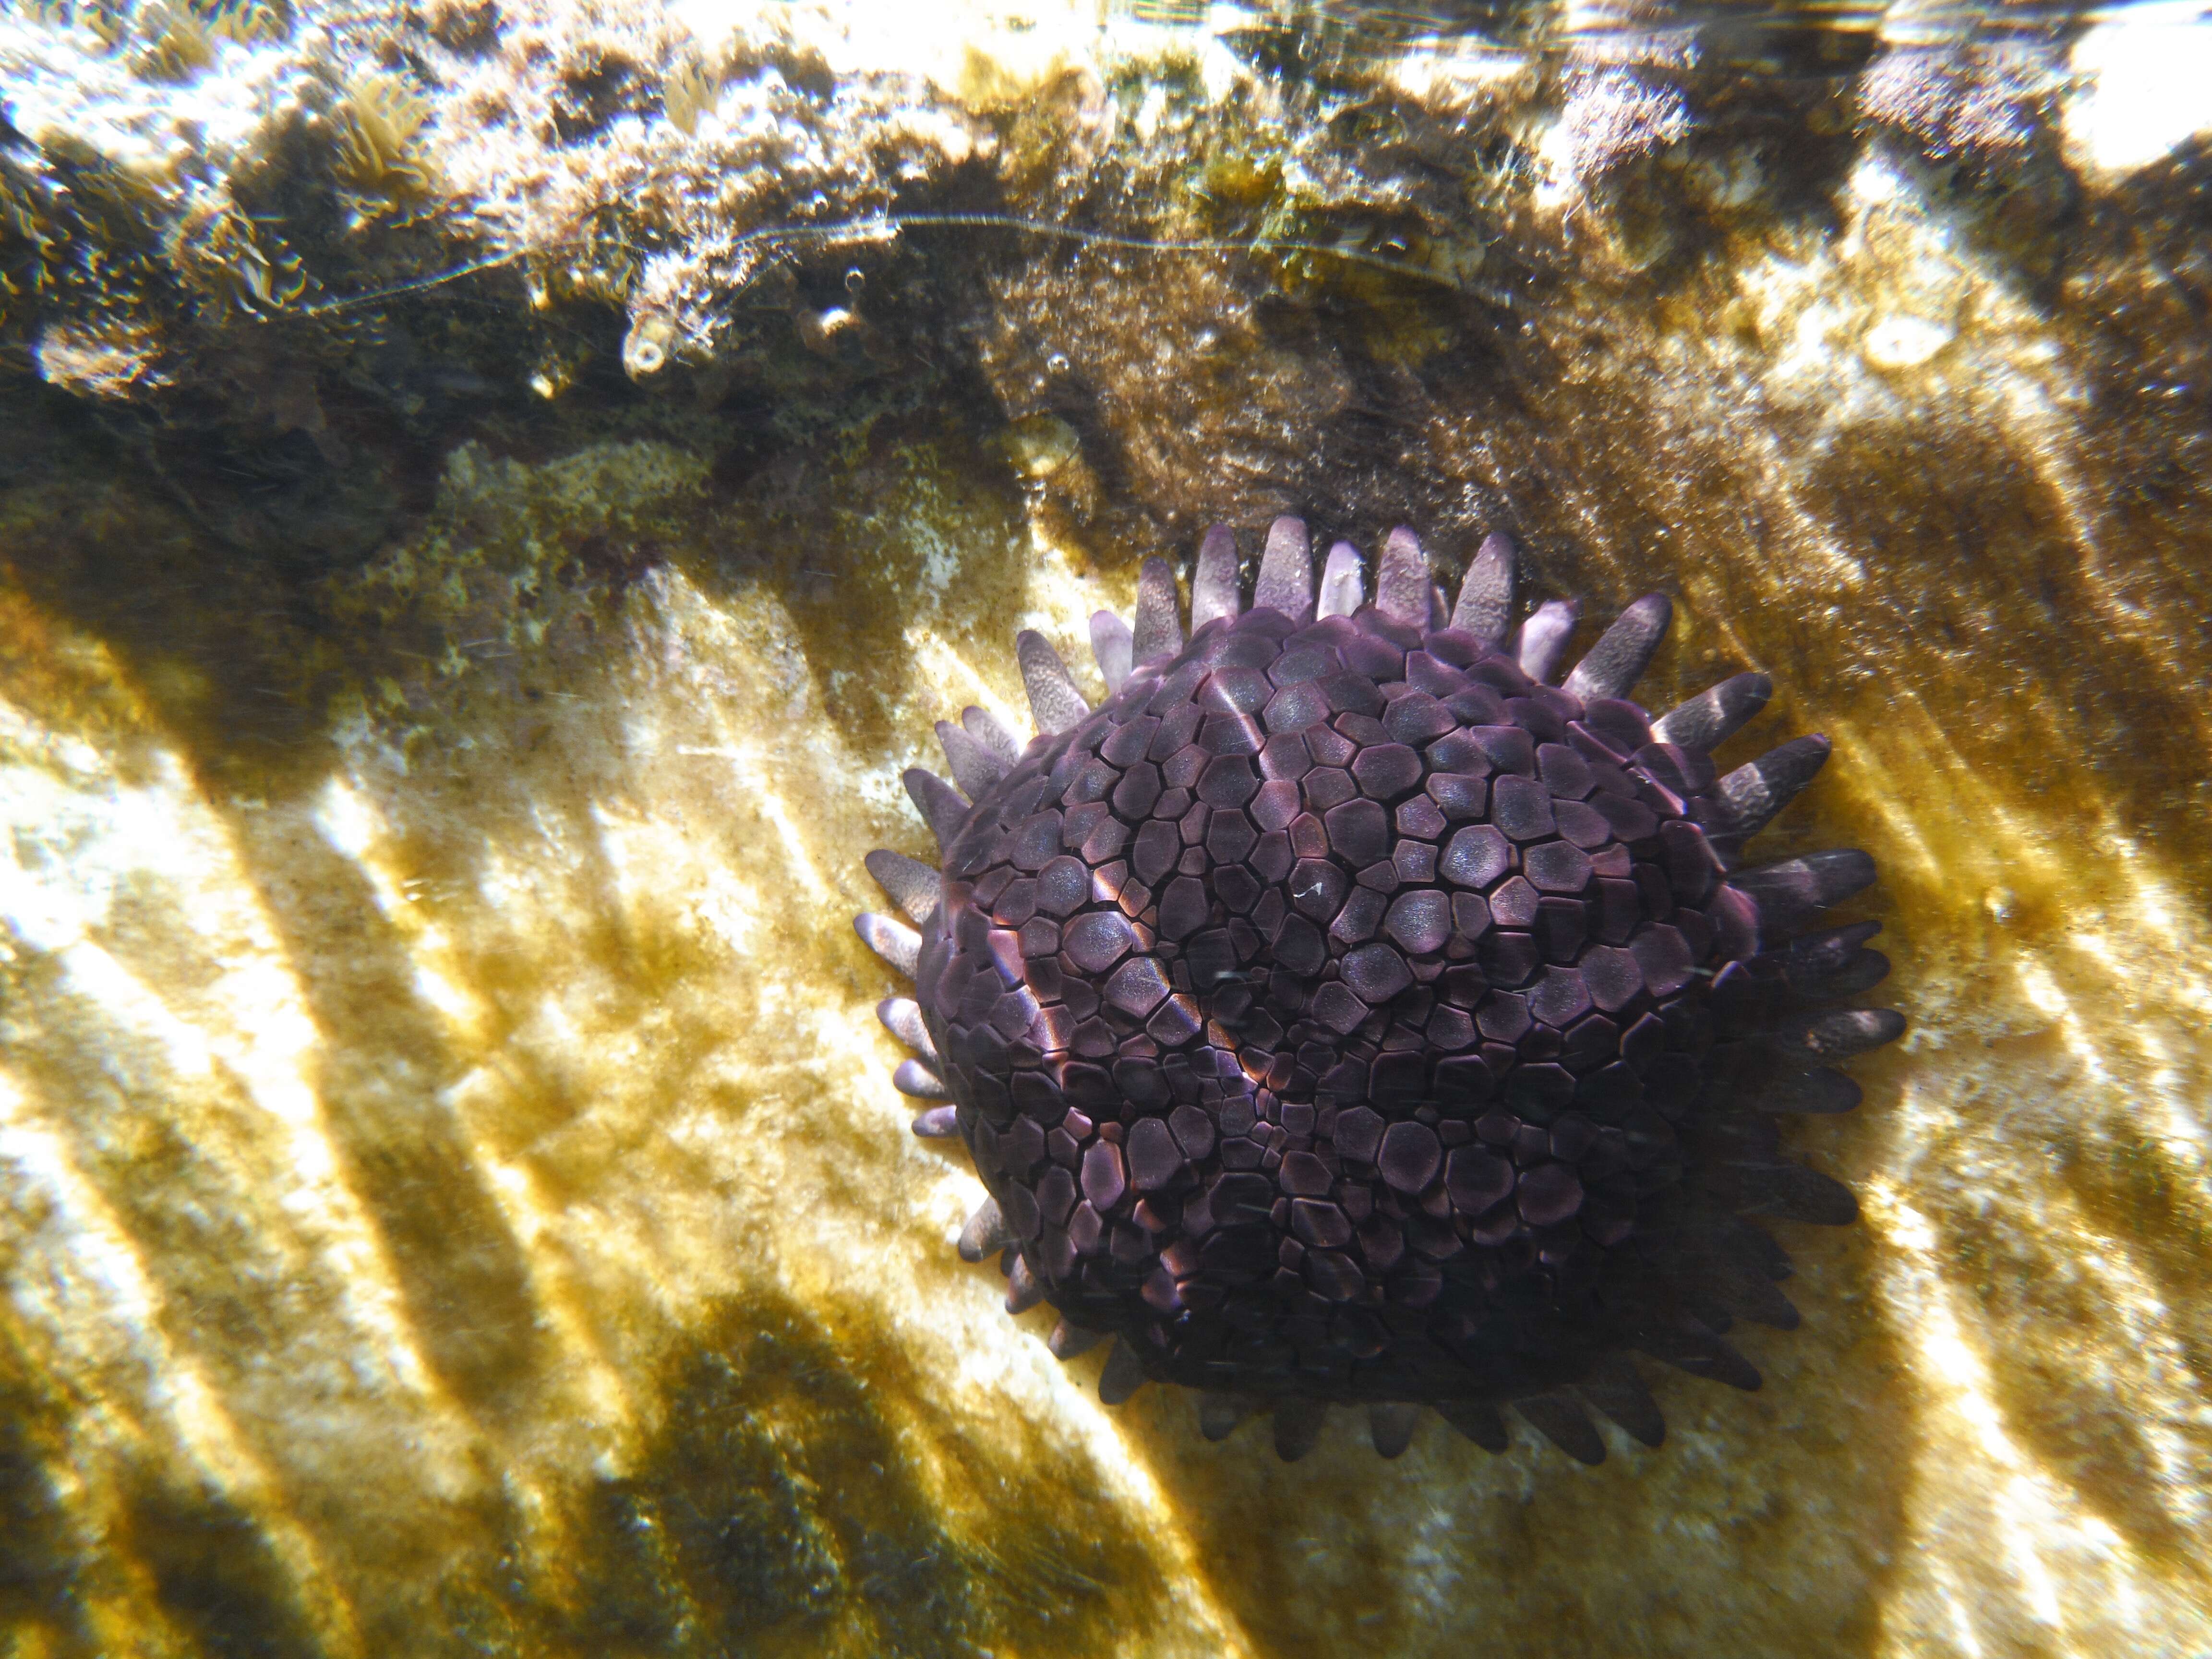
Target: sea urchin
{"x": 1346, "y": 1011}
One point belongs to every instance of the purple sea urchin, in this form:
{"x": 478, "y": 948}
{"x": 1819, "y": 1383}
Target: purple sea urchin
{"x": 1344, "y": 1011}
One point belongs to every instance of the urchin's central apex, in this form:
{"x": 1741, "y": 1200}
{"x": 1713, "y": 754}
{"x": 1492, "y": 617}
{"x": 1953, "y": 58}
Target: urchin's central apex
{"x": 1343, "y": 1011}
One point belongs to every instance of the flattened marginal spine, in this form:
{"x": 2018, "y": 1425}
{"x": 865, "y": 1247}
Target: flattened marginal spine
{"x": 1054, "y": 702}
{"x": 1614, "y": 1389}
{"x": 1024, "y": 1290}
{"x": 901, "y": 1017}
{"x": 974, "y": 767}
{"x": 1402, "y": 580}
{"x": 1841, "y": 1033}
{"x": 918, "y": 1080}
{"x": 1623, "y": 652}
{"x": 1562, "y": 1422}
{"x": 916, "y": 888}
{"x": 1342, "y": 591}
{"x": 1286, "y": 579}
{"x": 1811, "y": 882}
{"x": 941, "y": 804}
{"x": 1485, "y": 595}
{"x": 1298, "y": 1424}
{"x": 986, "y": 728}
{"x": 1157, "y": 634}
{"x": 1390, "y": 1426}
{"x": 1123, "y": 1376}
{"x": 1112, "y": 648}
{"x": 1213, "y": 586}
{"x": 1710, "y": 718}
{"x": 987, "y": 1232}
{"x": 1477, "y": 1420}
{"x": 1544, "y": 639}
{"x": 1759, "y": 789}
{"x": 1068, "y": 1339}
{"x": 894, "y": 941}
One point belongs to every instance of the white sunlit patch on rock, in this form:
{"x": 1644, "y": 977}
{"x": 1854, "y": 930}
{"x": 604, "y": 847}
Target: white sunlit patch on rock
{"x": 2143, "y": 87}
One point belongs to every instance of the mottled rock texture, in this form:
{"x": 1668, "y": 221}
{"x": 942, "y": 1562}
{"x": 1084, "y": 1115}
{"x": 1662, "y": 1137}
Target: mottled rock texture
{"x": 455, "y": 1201}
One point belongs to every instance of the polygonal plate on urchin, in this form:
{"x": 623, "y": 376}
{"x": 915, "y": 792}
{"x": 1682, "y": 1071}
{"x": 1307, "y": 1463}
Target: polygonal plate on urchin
{"x": 1353, "y": 1009}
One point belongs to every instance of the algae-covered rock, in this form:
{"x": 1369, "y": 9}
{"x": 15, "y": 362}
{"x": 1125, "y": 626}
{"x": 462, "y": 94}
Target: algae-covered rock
{"x": 455, "y": 1200}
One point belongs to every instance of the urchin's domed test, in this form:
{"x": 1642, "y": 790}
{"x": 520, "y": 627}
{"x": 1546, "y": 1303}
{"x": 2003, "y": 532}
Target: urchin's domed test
{"x": 1354, "y": 1010}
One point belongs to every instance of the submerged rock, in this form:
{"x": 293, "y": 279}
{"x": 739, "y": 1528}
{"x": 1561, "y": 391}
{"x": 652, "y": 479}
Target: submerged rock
{"x": 455, "y": 1197}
